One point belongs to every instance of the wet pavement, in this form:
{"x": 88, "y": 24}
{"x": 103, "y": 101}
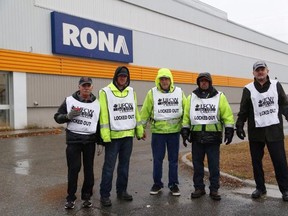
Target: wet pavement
{"x": 33, "y": 182}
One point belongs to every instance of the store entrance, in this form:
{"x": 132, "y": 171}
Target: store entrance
{"x": 4, "y": 101}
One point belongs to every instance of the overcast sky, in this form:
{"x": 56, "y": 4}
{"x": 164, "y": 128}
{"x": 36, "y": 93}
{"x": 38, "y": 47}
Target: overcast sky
{"x": 265, "y": 16}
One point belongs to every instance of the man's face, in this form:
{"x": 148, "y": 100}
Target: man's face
{"x": 203, "y": 83}
{"x": 261, "y": 74}
{"x": 165, "y": 83}
{"x": 121, "y": 81}
{"x": 85, "y": 90}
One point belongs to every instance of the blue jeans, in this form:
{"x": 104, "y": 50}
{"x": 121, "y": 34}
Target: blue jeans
{"x": 159, "y": 144}
{"x": 213, "y": 155}
{"x": 121, "y": 148}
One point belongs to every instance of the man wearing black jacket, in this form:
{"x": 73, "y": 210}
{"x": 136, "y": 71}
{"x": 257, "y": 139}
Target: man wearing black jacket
{"x": 263, "y": 103}
{"x": 81, "y": 113}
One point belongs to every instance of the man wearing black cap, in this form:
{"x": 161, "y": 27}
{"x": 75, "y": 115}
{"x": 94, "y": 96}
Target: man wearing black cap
{"x": 263, "y": 103}
{"x": 81, "y": 113}
{"x": 206, "y": 114}
{"x": 120, "y": 121}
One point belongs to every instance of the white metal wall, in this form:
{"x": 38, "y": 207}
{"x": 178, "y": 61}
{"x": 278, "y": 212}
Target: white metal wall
{"x": 173, "y": 34}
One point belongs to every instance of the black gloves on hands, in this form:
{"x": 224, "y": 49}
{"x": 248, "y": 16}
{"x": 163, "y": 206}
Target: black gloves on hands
{"x": 240, "y": 132}
{"x": 185, "y": 132}
{"x": 73, "y": 113}
{"x": 229, "y": 133}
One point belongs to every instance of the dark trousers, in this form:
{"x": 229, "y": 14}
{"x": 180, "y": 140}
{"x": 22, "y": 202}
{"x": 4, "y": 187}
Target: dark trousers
{"x": 213, "y": 154}
{"x": 121, "y": 148}
{"x": 74, "y": 153}
{"x": 278, "y": 157}
{"x": 159, "y": 144}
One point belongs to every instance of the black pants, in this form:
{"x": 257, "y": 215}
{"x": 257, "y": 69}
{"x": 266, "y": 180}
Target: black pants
{"x": 278, "y": 157}
{"x": 74, "y": 154}
{"x": 213, "y": 155}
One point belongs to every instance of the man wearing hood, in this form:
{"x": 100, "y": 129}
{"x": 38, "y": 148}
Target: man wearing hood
{"x": 206, "y": 113}
{"x": 163, "y": 108}
{"x": 263, "y": 102}
{"x": 81, "y": 113}
{"x": 120, "y": 121}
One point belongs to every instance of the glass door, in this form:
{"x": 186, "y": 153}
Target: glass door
{"x": 4, "y": 101}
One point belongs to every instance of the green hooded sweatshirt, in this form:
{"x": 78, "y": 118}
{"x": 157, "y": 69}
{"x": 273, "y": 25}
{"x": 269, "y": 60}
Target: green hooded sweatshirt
{"x": 147, "y": 111}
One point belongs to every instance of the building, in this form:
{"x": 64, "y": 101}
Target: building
{"x": 47, "y": 45}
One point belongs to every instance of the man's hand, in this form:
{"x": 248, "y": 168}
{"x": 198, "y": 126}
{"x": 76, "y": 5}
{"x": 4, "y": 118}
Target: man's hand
{"x": 229, "y": 133}
{"x": 240, "y": 132}
{"x": 185, "y": 135}
{"x": 74, "y": 113}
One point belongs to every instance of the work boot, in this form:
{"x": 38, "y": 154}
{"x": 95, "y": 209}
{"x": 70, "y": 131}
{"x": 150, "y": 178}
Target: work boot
{"x": 285, "y": 196}
{"x": 198, "y": 193}
{"x": 258, "y": 193}
{"x": 215, "y": 195}
{"x": 124, "y": 196}
{"x": 105, "y": 201}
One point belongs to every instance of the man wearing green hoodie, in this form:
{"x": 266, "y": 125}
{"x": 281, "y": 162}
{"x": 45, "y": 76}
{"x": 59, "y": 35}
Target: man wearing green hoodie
{"x": 120, "y": 121}
{"x": 163, "y": 108}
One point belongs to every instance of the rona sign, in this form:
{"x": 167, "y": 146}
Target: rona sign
{"x": 85, "y": 38}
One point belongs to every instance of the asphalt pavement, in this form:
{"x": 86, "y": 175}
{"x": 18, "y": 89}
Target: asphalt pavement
{"x": 34, "y": 181}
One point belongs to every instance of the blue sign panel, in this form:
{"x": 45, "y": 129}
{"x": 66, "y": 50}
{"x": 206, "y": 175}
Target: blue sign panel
{"x": 81, "y": 37}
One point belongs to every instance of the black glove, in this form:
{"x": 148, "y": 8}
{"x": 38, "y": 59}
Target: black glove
{"x": 106, "y": 143}
{"x": 229, "y": 133}
{"x": 240, "y": 132}
{"x": 73, "y": 113}
{"x": 185, "y": 135}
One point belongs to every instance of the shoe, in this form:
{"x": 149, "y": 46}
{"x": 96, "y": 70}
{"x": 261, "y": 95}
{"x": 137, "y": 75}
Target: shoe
{"x": 87, "y": 204}
{"x": 155, "y": 189}
{"x": 175, "y": 190}
{"x": 198, "y": 193}
{"x": 258, "y": 193}
{"x": 285, "y": 196}
{"x": 215, "y": 195}
{"x": 105, "y": 201}
{"x": 69, "y": 205}
{"x": 124, "y": 196}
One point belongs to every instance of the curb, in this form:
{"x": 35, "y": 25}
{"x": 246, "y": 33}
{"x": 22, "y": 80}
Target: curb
{"x": 206, "y": 170}
{"x": 27, "y": 133}
{"x": 246, "y": 182}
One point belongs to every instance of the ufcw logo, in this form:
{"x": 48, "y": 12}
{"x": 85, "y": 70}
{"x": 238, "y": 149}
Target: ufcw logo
{"x": 168, "y": 101}
{"x": 266, "y": 102}
{"x": 124, "y": 107}
{"x": 90, "y": 39}
{"x": 84, "y": 112}
{"x": 205, "y": 108}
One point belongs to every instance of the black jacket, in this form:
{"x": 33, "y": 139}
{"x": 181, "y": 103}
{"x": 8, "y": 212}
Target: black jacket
{"x": 204, "y": 136}
{"x": 73, "y": 138}
{"x": 270, "y": 133}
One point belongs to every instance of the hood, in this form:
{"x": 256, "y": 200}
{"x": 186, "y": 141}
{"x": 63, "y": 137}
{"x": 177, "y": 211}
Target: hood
{"x": 121, "y": 70}
{"x": 206, "y": 75}
{"x": 164, "y": 72}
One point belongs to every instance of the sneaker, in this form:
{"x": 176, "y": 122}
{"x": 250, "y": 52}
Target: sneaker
{"x": 155, "y": 189}
{"x": 105, "y": 201}
{"x": 175, "y": 190}
{"x": 198, "y": 193}
{"x": 69, "y": 205}
{"x": 87, "y": 204}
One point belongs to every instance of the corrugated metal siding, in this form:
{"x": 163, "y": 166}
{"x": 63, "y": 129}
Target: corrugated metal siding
{"x": 45, "y": 64}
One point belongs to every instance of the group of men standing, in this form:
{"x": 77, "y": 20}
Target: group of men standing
{"x": 202, "y": 118}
